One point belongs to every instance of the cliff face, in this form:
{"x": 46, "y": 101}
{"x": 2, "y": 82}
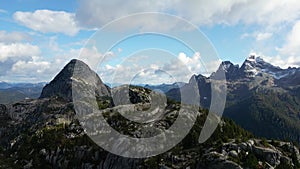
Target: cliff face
{"x": 78, "y": 74}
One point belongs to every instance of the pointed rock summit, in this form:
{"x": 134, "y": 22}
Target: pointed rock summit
{"x": 231, "y": 71}
{"x": 78, "y": 74}
{"x": 254, "y": 66}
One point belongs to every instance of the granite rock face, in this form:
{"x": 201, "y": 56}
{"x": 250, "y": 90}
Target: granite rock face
{"x": 76, "y": 74}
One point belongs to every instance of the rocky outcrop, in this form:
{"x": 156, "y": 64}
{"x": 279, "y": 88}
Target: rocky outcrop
{"x": 271, "y": 156}
{"x": 4, "y": 123}
{"x": 76, "y": 74}
{"x": 220, "y": 164}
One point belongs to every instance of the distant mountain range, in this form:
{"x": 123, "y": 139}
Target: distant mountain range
{"x": 13, "y": 92}
{"x": 6, "y": 85}
{"x": 164, "y": 88}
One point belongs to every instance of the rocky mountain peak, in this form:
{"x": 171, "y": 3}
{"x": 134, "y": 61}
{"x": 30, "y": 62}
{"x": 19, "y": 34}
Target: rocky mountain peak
{"x": 255, "y": 65}
{"x": 252, "y": 57}
{"x": 231, "y": 71}
{"x": 227, "y": 65}
{"x": 248, "y": 68}
{"x": 77, "y": 73}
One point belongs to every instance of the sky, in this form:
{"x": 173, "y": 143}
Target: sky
{"x": 143, "y": 41}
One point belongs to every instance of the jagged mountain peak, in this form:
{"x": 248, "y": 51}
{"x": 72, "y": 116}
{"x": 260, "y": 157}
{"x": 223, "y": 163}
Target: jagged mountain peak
{"x": 253, "y": 57}
{"x": 231, "y": 70}
{"x": 198, "y": 77}
{"x": 77, "y": 73}
{"x": 229, "y": 66}
{"x": 259, "y": 62}
{"x": 253, "y": 66}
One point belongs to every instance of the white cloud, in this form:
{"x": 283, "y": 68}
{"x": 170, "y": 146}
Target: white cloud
{"x": 135, "y": 74}
{"x": 96, "y": 13}
{"x": 197, "y": 66}
{"x": 24, "y": 62}
{"x": 39, "y": 68}
{"x": 193, "y": 63}
{"x": 177, "y": 69}
{"x": 289, "y": 54}
{"x": 11, "y": 37}
{"x": 92, "y": 57}
{"x": 259, "y": 36}
{"x": 283, "y": 62}
{"x": 48, "y": 21}
{"x": 269, "y": 18}
{"x": 264, "y": 13}
{"x": 292, "y": 45}
{"x": 17, "y": 50}
{"x": 120, "y": 50}
{"x": 263, "y": 36}
{"x": 53, "y": 45}
{"x": 33, "y": 67}
{"x": 3, "y": 11}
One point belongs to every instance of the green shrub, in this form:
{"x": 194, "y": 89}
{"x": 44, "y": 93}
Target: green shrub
{"x": 251, "y": 161}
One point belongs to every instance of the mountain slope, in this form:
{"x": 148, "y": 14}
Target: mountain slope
{"x": 165, "y": 87}
{"x": 261, "y": 98}
{"x": 268, "y": 114}
{"x": 264, "y": 102}
{"x": 20, "y": 92}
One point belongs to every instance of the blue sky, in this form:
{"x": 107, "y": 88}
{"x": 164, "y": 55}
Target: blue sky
{"x": 37, "y": 38}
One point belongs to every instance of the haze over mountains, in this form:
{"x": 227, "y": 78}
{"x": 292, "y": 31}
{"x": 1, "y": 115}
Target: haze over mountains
{"x": 13, "y": 92}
